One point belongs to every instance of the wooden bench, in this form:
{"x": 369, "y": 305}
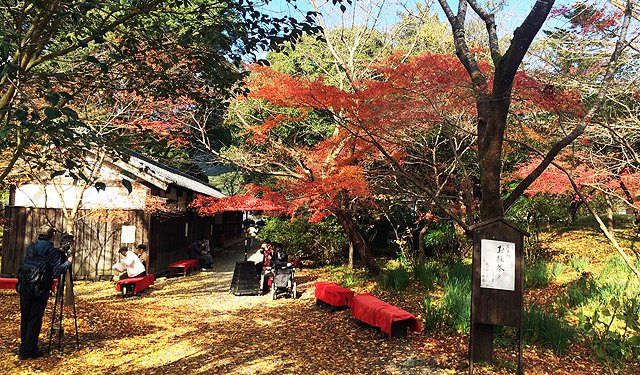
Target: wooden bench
{"x": 391, "y": 320}
{"x": 10, "y": 283}
{"x": 183, "y": 267}
{"x": 134, "y": 285}
{"x": 333, "y": 295}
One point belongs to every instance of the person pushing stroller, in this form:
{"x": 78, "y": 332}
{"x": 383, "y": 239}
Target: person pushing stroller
{"x": 283, "y": 273}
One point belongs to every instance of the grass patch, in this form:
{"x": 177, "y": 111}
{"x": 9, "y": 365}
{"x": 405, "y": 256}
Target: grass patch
{"x": 396, "y": 279}
{"x": 537, "y": 275}
{"x": 434, "y": 314}
{"x": 579, "y": 264}
{"x": 427, "y": 274}
{"x": 348, "y": 278}
{"x": 557, "y": 269}
{"x": 456, "y": 301}
{"x": 547, "y": 329}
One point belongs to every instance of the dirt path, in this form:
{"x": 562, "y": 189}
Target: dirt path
{"x": 193, "y": 325}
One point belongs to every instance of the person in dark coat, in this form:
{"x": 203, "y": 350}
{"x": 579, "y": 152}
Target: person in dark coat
{"x": 32, "y": 305}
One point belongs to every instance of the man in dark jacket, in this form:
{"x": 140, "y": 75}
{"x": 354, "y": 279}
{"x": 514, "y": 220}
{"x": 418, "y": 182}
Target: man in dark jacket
{"x": 32, "y": 303}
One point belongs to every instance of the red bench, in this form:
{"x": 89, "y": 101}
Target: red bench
{"x": 138, "y": 283}
{"x": 10, "y": 283}
{"x": 333, "y": 294}
{"x": 183, "y": 267}
{"x": 390, "y": 319}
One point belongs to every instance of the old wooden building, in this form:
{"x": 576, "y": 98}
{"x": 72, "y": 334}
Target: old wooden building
{"x": 155, "y": 212}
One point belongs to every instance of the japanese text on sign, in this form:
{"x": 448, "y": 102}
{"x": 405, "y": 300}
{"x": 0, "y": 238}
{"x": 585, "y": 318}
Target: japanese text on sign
{"x": 128, "y": 234}
{"x": 498, "y": 265}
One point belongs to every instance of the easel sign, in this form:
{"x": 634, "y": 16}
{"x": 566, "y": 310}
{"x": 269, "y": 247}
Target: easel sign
{"x": 497, "y": 286}
{"x": 128, "y": 234}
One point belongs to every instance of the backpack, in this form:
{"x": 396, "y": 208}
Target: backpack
{"x": 35, "y": 276}
{"x": 280, "y": 257}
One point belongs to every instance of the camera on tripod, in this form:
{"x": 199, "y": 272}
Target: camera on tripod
{"x": 65, "y": 244}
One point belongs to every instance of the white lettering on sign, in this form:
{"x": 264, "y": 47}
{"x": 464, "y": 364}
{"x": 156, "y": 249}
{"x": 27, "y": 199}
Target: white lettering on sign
{"x": 498, "y": 265}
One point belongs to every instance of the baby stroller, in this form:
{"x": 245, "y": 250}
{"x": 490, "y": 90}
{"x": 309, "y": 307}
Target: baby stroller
{"x": 283, "y": 280}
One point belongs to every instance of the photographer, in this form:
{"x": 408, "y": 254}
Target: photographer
{"x": 42, "y": 263}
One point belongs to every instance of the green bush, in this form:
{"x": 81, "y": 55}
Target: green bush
{"x": 442, "y": 241}
{"x": 537, "y": 275}
{"x": 324, "y": 241}
{"x": 427, "y": 275}
{"x": 547, "y": 329}
{"x": 615, "y": 329}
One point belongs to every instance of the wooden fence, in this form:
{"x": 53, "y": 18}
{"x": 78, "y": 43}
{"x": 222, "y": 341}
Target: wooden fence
{"x": 97, "y": 242}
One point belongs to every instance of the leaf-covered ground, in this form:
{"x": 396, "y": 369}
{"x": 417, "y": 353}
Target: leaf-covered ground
{"x": 193, "y": 325}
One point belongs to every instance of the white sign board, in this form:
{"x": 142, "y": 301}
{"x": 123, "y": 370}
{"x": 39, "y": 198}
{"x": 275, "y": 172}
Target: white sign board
{"x": 498, "y": 265}
{"x": 128, "y": 234}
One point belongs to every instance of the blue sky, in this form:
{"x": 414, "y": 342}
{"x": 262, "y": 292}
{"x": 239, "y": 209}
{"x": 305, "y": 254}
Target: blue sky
{"x": 508, "y": 18}
{"x": 514, "y": 11}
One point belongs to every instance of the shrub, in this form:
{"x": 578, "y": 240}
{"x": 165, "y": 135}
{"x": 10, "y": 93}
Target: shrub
{"x": 323, "y": 241}
{"x": 442, "y": 241}
{"x": 615, "y": 329}
{"x": 547, "y": 329}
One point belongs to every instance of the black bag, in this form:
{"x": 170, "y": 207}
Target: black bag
{"x": 35, "y": 276}
{"x": 280, "y": 257}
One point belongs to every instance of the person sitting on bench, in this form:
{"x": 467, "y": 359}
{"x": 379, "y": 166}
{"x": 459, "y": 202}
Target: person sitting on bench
{"x": 198, "y": 251}
{"x": 143, "y": 254}
{"x": 134, "y": 266}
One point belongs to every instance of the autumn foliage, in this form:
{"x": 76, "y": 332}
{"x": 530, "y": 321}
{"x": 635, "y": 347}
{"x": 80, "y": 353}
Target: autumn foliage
{"x": 377, "y": 122}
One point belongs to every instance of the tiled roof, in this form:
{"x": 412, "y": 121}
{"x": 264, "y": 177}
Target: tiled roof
{"x": 168, "y": 175}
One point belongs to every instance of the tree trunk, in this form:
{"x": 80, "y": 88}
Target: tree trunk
{"x": 68, "y": 287}
{"x": 350, "y": 265}
{"x": 573, "y": 212}
{"x": 607, "y": 199}
{"x": 422, "y": 247}
{"x": 355, "y": 239}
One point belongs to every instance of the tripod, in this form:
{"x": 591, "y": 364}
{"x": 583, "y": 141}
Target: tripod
{"x": 60, "y": 297}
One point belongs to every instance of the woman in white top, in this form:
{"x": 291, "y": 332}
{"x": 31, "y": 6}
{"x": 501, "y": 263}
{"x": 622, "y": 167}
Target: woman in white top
{"x": 134, "y": 266}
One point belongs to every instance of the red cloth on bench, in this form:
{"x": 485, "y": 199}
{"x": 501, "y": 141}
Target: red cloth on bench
{"x": 333, "y": 294}
{"x": 377, "y": 313}
{"x": 140, "y": 283}
{"x": 10, "y": 283}
{"x": 186, "y": 264}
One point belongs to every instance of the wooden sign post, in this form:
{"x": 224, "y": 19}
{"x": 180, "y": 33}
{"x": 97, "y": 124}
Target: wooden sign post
{"x": 497, "y": 286}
